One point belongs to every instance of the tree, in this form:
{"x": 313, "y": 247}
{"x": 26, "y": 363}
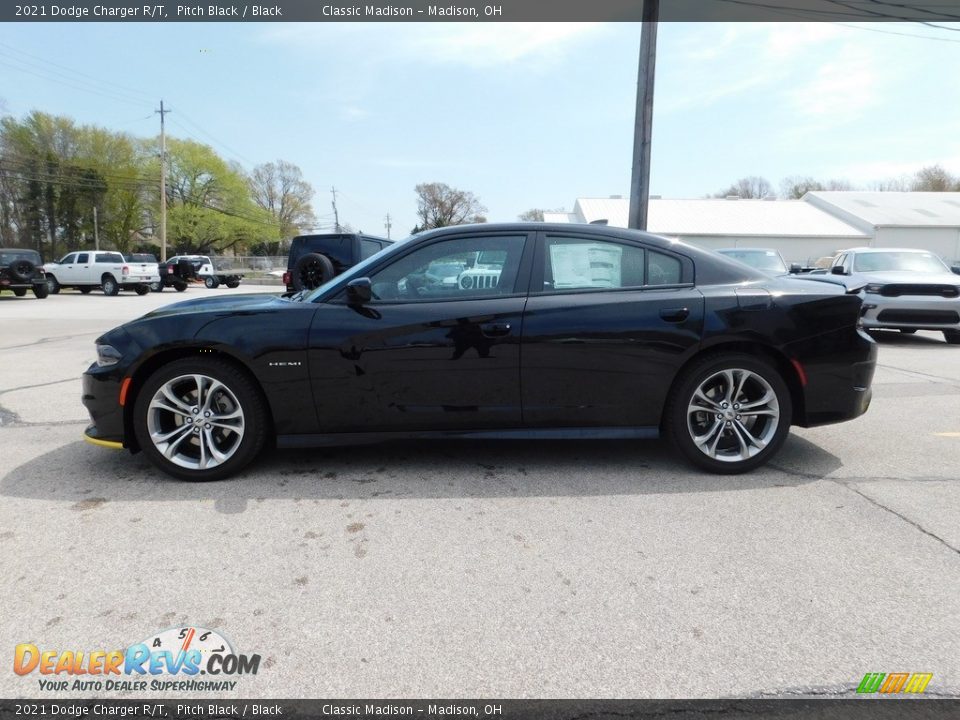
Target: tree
{"x": 439, "y": 205}
{"x": 934, "y": 178}
{"x": 752, "y": 187}
{"x": 531, "y": 215}
{"x": 796, "y": 186}
{"x": 279, "y": 188}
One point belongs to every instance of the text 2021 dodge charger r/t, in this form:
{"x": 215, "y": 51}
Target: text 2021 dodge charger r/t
{"x": 491, "y": 331}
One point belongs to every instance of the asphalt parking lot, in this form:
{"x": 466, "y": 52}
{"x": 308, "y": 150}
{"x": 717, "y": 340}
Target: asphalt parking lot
{"x": 483, "y": 569}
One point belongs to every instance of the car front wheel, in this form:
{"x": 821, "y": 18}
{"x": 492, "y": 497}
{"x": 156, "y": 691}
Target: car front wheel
{"x": 729, "y": 413}
{"x": 200, "y": 419}
{"x": 53, "y": 287}
{"x": 211, "y": 282}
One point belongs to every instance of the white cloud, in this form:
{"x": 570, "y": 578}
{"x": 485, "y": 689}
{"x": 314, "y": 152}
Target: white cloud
{"x": 842, "y": 88}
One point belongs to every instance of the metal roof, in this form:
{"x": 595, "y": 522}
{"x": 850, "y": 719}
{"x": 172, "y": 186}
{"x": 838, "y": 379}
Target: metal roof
{"x": 906, "y": 209}
{"x": 721, "y": 217}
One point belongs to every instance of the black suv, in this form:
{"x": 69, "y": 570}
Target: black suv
{"x": 314, "y": 259}
{"x": 22, "y": 270}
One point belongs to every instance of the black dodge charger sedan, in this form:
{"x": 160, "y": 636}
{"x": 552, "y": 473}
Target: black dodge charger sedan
{"x": 525, "y": 330}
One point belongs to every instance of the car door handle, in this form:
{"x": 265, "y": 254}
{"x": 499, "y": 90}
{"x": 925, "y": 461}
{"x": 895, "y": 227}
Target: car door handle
{"x": 495, "y": 329}
{"x": 675, "y": 314}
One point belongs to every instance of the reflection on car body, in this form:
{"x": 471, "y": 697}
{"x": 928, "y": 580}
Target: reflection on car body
{"x": 579, "y": 332}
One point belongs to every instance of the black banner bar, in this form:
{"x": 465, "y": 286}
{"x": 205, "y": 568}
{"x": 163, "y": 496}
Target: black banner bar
{"x": 851, "y": 708}
{"x": 929, "y": 11}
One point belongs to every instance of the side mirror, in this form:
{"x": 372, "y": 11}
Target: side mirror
{"x": 795, "y": 268}
{"x": 955, "y": 269}
{"x": 359, "y": 291}
{"x": 837, "y": 270}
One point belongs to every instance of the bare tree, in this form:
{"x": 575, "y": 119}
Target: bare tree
{"x": 439, "y": 205}
{"x": 796, "y": 186}
{"x": 280, "y": 189}
{"x": 895, "y": 184}
{"x": 751, "y": 187}
{"x": 531, "y": 215}
{"x": 934, "y": 178}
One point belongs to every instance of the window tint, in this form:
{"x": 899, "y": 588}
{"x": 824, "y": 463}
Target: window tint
{"x": 579, "y": 263}
{"x": 369, "y": 248}
{"x": 109, "y": 257}
{"x": 460, "y": 268}
{"x": 83, "y": 257}
{"x": 68, "y": 259}
{"x": 662, "y": 269}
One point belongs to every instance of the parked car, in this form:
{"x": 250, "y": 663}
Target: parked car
{"x": 588, "y": 332}
{"x": 22, "y": 270}
{"x": 91, "y": 269}
{"x": 765, "y": 259}
{"x": 315, "y": 259}
{"x": 905, "y": 289}
{"x": 180, "y": 270}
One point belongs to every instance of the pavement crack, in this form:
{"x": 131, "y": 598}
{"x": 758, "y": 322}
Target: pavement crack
{"x": 43, "y": 341}
{"x": 903, "y": 517}
{"x": 918, "y": 374}
{"x": 38, "y": 385}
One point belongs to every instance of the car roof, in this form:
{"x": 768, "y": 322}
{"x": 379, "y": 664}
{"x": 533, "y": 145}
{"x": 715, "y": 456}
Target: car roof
{"x": 747, "y": 249}
{"x": 886, "y": 249}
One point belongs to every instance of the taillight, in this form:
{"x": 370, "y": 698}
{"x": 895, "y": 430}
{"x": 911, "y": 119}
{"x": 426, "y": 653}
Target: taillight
{"x": 286, "y": 278}
{"x": 169, "y": 269}
{"x": 126, "y": 270}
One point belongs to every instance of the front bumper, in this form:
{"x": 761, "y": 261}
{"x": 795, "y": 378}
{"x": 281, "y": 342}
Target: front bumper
{"x": 101, "y": 397}
{"x": 910, "y": 311}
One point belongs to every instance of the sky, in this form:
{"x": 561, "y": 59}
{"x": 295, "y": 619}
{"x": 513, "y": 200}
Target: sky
{"x": 522, "y": 115}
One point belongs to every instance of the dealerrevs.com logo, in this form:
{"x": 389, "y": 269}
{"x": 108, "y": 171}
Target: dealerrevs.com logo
{"x": 170, "y": 660}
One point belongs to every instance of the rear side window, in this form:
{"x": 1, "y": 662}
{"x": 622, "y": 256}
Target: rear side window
{"x": 369, "y": 248}
{"x": 572, "y": 263}
{"x": 109, "y": 258}
{"x": 663, "y": 269}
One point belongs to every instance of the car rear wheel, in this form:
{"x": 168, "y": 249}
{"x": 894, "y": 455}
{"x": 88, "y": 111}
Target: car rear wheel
{"x": 53, "y": 287}
{"x": 729, "y": 413}
{"x": 233, "y": 284}
{"x": 143, "y": 289}
{"x": 110, "y": 285}
{"x": 41, "y": 290}
{"x": 156, "y": 287}
{"x": 180, "y": 286}
{"x": 200, "y": 419}
{"x": 311, "y": 271}
{"x": 952, "y": 337}
{"x": 19, "y": 292}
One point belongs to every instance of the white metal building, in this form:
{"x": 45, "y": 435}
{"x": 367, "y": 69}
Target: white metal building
{"x": 924, "y": 220}
{"x": 801, "y": 231}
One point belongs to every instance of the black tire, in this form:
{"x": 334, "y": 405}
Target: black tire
{"x": 53, "y": 287}
{"x": 243, "y": 390}
{"x": 211, "y": 282}
{"x": 86, "y": 289}
{"x": 721, "y": 427}
{"x": 311, "y": 271}
{"x": 19, "y": 292}
{"x": 233, "y": 283}
{"x": 180, "y": 286}
{"x": 143, "y": 289}
{"x": 952, "y": 337}
{"x": 908, "y": 331}
{"x": 156, "y": 287}
{"x": 21, "y": 271}
{"x": 109, "y": 285}
{"x": 41, "y": 290}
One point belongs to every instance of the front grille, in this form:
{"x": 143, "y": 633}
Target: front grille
{"x": 920, "y": 317}
{"x": 947, "y": 291}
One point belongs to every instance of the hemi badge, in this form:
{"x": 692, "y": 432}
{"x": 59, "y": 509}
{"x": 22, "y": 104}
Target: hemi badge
{"x": 285, "y": 363}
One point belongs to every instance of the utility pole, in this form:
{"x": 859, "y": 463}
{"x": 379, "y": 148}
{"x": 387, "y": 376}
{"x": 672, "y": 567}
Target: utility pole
{"x": 388, "y": 225}
{"x": 96, "y": 232}
{"x": 163, "y": 185}
{"x": 336, "y": 216}
{"x": 640, "y": 178}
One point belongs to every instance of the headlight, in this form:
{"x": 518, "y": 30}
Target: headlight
{"x": 107, "y": 355}
{"x": 874, "y": 288}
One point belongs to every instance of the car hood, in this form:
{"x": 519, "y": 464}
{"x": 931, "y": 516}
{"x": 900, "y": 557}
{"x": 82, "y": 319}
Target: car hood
{"x": 913, "y": 278}
{"x": 231, "y": 304}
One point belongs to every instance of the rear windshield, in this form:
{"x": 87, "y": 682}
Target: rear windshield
{"x": 9, "y": 256}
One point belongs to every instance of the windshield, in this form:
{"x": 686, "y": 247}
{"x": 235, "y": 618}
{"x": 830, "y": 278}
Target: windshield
{"x": 908, "y": 261}
{"x": 766, "y": 260}
{"x": 356, "y": 271}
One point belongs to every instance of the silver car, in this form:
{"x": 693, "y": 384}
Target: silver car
{"x": 905, "y": 289}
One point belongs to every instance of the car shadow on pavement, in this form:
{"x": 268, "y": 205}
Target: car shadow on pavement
{"x": 453, "y": 469}
{"x": 893, "y": 338}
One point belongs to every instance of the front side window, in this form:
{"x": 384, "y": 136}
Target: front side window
{"x": 460, "y": 268}
{"x": 67, "y": 259}
{"x": 82, "y": 258}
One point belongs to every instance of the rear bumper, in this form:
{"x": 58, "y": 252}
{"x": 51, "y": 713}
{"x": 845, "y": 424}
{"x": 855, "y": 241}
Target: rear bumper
{"x": 838, "y": 385}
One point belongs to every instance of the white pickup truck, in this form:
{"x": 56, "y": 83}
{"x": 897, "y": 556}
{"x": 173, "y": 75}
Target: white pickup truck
{"x": 91, "y": 269}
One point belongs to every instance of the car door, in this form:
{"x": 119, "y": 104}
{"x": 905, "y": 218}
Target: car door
{"x": 608, "y": 323}
{"x": 65, "y": 269}
{"x": 82, "y": 272}
{"x": 427, "y": 352}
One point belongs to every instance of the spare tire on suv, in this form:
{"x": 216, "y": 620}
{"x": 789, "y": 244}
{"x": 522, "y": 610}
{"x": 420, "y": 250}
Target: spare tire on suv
{"x": 315, "y": 259}
{"x": 21, "y": 270}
